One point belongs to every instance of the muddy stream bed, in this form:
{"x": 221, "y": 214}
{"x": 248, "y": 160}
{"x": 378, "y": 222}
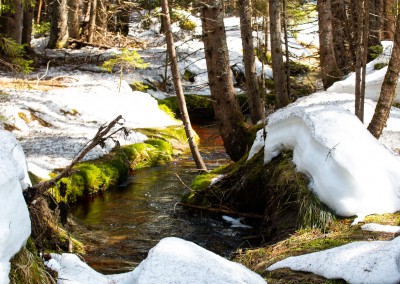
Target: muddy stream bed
{"x": 126, "y": 222}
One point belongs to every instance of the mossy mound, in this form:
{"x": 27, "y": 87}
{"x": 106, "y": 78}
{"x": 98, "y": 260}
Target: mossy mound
{"x": 27, "y": 267}
{"x": 108, "y": 171}
{"x": 275, "y": 190}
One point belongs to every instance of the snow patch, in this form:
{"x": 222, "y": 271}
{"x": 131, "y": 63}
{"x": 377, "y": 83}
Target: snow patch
{"x": 15, "y": 224}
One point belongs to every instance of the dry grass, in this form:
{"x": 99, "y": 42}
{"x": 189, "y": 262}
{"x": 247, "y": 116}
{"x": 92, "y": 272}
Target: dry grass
{"x": 311, "y": 240}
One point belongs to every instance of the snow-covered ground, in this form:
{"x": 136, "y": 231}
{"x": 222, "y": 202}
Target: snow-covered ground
{"x": 73, "y": 114}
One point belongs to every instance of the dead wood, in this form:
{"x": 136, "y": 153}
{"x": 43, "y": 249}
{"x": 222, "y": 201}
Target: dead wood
{"x": 31, "y": 193}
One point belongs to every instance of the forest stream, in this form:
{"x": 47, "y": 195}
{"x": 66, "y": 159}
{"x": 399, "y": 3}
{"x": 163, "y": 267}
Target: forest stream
{"x": 128, "y": 221}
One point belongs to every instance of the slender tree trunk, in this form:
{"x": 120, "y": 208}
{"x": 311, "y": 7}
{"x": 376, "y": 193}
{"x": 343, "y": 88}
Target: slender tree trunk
{"x": 102, "y": 16}
{"x": 27, "y": 25}
{"x": 58, "y": 24}
{"x": 252, "y": 91}
{"x": 329, "y": 68}
{"x": 388, "y": 90}
{"x": 287, "y": 63}
{"x": 39, "y": 12}
{"x": 281, "y": 93}
{"x": 92, "y": 21}
{"x": 230, "y": 120}
{"x": 74, "y": 14}
{"x": 179, "y": 91}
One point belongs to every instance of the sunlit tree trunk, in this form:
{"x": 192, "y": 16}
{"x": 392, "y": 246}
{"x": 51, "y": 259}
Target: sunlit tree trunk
{"x": 230, "y": 120}
{"x": 92, "y": 20}
{"x": 252, "y": 91}
{"x": 74, "y": 15}
{"x": 179, "y": 90}
{"x": 58, "y": 24}
{"x": 388, "y": 90}
{"x": 329, "y": 68}
{"x": 287, "y": 53}
{"x": 281, "y": 93}
{"x": 102, "y": 16}
{"x": 390, "y": 12}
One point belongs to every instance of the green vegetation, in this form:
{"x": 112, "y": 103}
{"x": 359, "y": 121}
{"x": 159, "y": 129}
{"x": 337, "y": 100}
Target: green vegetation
{"x": 41, "y": 29}
{"x": 109, "y": 170}
{"x": 27, "y": 267}
{"x": 374, "y": 51}
{"x": 379, "y": 66}
{"x": 14, "y": 56}
{"x": 139, "y": 86}
{"x": 188, "y": 25}
{"x": 125, "y": 60}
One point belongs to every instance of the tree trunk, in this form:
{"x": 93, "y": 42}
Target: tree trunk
{"x": 287, "y": 63}
{"x": 278, "y": 70}
{"x": 27, "y": 25}
{"x": 342, "y": 39}
{"x": 179, "y": 91}
{"x": 92, "y": 21}
{"x": 230, "y": 120}
{"x": 390, "y": 12}
{"x": 329, "y": 68}
{"x": 58, "y": 24}
{"x": 74, "y": 15}
{"x": 252, "y": 91}
{"x": 102, "y": 16}
{"x": 388, "y": 90}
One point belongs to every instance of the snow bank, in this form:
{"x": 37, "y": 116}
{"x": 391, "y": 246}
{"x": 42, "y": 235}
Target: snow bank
{"x": 358, "y": 262}
{"x": 172, "y": 260}
{"x": 15, "y": 224}
{"x": 349, "y": 170}
{"x": 381, "y": 228}
{"x": 374, "y": 78}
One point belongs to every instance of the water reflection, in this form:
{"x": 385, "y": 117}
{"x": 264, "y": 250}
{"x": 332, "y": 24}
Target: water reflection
{"x": 132, "y": 218}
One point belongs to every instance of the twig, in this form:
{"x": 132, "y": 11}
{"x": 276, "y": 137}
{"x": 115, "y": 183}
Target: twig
{"x": 224, "y": 211}
{"x": 184, "y": 184}
{"x": 44, "y": 75}
{"x": 32, "y": 192}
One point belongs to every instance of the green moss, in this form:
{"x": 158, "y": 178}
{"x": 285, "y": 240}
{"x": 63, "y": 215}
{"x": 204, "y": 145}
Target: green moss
{"x": 167, "y": 110}
{"x": 108, "y": 171}
{"x": 27, "y": 267}
{"x": 379, "y": 66}
{"x": 188, "y": 76}
{"x": 374, "y": 51}
{"x": 140, "y": 86}
{"x": 34, "y": 178}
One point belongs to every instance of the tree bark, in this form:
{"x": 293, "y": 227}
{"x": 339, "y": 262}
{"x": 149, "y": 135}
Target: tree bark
{"x": 287, "y": 55}
{"x": 92, "y": 21}
{"x": 230, "y": 120}
{"x": 329, "y": 67}
{"x": 58, "y": 24}
{"x": 281, "y": 93}
{"x": 388, "y": 90}
{"x": 27, "y": 25}
{"x": 389, "y": 27}
{"x": 252, "y": 90}
{"x": 74, "y": 15}
{"x": 179, "y": 90}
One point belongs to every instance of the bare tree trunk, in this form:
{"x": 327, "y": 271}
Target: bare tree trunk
{"x": 390, "y": 12}
{"x": 388, "y": 90}
{"x": 92, "y": 21}
{"x": 329, "y": 68}
{"x": 281, "y": 93}
{"x": 252, "y": 91}
{"x": 102, "y": 16}
{"x": 285, "y": 31}
{"x": 74, "y": 14}
{"x": 361, "y": 56}
{"x": 58, "y": 24}
{"x": 230, "y": 120}
{"x": 179, "y": 91}
{"x": 27, "y": 25}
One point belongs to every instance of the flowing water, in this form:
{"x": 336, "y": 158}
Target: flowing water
{"x": 132, "y": 218}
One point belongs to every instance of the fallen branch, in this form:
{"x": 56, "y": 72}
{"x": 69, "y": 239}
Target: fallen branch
{"x": 224, "y": 211}
{"x": 101, "y": 136}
